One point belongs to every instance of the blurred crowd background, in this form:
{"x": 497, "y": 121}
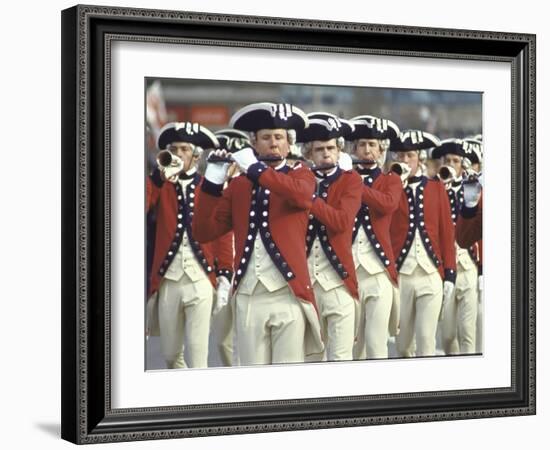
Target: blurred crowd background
{"x": 446, "y": 114}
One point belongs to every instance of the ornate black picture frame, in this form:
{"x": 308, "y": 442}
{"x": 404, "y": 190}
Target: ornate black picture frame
{"x": 87, "y": 413}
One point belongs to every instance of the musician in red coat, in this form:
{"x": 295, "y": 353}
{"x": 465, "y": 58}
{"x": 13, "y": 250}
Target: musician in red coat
{"x": 182, "y": 276}
{"x": 469, "y": 224}
{"x": 423, "y": 242}
{"x": 459, "y": 316}
{"x": 337, "y": 200}
{"x": 478, "y": 251}
{"x": 372, "y": 248}
{"x": 474, "y": 152}
{"x": 469, "y": 233}
{"x": 267, "y": 208}
{"x": 221, "y": 325}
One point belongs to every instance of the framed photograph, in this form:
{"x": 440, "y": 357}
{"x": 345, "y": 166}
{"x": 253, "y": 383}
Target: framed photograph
{"x": 132, "y": 77}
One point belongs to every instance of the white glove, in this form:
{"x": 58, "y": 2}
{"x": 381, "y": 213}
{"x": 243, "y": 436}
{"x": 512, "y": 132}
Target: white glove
{"x": 344, "y": 161}
{"x": 170, "y": 172}
{"x": 216, "y": 172}
{"x": 472, "y": 192}
{"x": 222, "y": 294}
{"x": 244, "y": 158}
{"x": 448, "y": 289}
{"x": 480, "y": 286}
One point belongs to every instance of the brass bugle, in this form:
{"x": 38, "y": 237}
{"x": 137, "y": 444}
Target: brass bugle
{"x": 445, "y": 173}
{"x": 215, "y": 159}
{"x": 164, "y": 158}
{"x": 396, "y": 168}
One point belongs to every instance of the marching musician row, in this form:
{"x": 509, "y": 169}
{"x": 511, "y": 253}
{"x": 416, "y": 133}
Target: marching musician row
{"x": 320, "y": 262}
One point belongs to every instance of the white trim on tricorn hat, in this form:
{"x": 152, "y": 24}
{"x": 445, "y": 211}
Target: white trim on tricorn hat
{"x": 473, "y": 150}
{"x": 232, "y": 133}
{"x": 232, "y": 140}
{"x": 372, "y": 127}
{"x": 415, "y": 140}
{"x": 451, "y": 146}
{"x": 190, "y": 132}
{"x": 324, "y": 126}
{"x": 267, "y": 115}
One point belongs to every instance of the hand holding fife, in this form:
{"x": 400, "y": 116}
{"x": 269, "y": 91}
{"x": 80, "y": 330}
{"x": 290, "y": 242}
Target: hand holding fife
{"x": 344, "y": 161}
{"x": 244, "y": 158}
{"x": 222, "y": 294}
{"x": 216, "y": 172}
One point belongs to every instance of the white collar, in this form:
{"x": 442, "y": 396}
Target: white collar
{"x": 191, "y": 171}
{"x": 332, "y": 172}
{"x": 280, "y": 166}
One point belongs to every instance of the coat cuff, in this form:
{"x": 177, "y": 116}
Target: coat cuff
{"x": 156, "y": 178}
{"x": 468, "y": 212}
{"x": 450, "y": 275}
{"x": 212, "y": 188}
{"x": 255, "y": 170}
{"x": 224, "y": 273}
{"x": 315, "y": 199}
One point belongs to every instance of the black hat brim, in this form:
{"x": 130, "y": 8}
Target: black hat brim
{"x": 199, "y": 136}
{"x": 270, "y": 116}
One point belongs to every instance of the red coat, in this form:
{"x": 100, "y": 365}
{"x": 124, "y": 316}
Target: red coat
{"x": 174, "y": 215}
{"x": 285, "y": 197}
{"x": 469, "y": 225}
{"x": 432, "y": 217}
{"x": 335, "y": 209}
{"x": 379, "y": 202}
{"x": 456, "y": 203}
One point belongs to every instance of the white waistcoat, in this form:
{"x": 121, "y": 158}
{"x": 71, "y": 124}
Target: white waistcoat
{"x": 417, "y": 256}
{"x": 320, "y": 269}
{"x": 364, "y": 254}
{"x": 185, "y": 260}
{"x": 261, "y": 269}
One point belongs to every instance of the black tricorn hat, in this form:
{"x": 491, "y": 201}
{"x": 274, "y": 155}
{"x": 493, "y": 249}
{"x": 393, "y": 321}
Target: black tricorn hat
{"x": 371, "y": 127}
{"x": 473, "y": 150}
{"x": 415, "y": 140}
{"x": 266, "y": 115}
{"x": 324, "y": 126}
{"x": 190, "y": 132}
{"x": 449, "y": 147}
{"x": 232, "y": 140}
